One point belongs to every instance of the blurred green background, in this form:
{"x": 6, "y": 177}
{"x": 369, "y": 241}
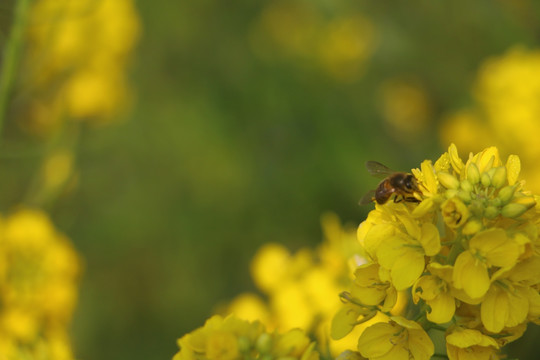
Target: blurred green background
{"x": 239, "y": 135}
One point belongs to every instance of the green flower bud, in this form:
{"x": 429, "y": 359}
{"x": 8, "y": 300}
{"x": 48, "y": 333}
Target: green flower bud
{"x": 473, "y": 174}
{"x": 465, "y": 196}
{"x": 499, "y": 177}
{"x": 495, "y": 202}
{"x": 506, "y": 194}
{"x": 514, "y": 210}
{"x": 466, "y": 185}
{"x": 447, "y": 180}
{"x": 450, "y": 193}
{"x": 491, "y": 212}
{"x": 485, "y": 179}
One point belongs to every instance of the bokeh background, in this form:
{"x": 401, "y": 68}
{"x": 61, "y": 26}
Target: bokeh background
{"x": 247, "y": 121}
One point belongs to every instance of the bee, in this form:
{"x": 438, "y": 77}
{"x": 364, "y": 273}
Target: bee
{"x": 402, "y": 185}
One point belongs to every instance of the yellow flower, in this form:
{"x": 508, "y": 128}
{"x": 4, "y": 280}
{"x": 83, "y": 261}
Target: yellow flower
{"x": 436, "y": 292}
{"x": 399, "y": 339}
{"x": 403, "y": 254}
{"x": 38, "y": 285}
{"x": 455, "y": 212}
{"x": 370, "y": 290}
{"x": 476, "y": 228}
{"x": 470, "y": 344}
{"x": 77, "y": 56}
{"x": 488, "y": 248}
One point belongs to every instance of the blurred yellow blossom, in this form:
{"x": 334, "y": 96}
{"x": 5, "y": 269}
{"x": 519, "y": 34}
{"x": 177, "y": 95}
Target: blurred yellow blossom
{"x": 231, "y": 338}
{"x": 76, "y": 60}
{"x": 505, "y": 111}
{"x": 406, "y": 108}
{"x": 463, "y": 257}
{"x": 303, "y": 31}
{"x": 302, "y": 288}
{"x": 38, "y": 285}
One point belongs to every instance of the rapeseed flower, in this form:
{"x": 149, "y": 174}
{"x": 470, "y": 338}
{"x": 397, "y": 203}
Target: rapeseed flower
{"x": 301, "y": 288}
{"x": 231, "y": 338}
{"x": 340, "y": 44}
{"x": 76, "y": 61}
{"x": 467, "y": 252}
{"x": 38, "y": 287}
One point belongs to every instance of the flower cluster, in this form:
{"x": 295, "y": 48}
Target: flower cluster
{"x": 231, "y": 338}
{"x": 38, "y": 288}
{"x": 466, "y": 252}
{"x": 301, "y": 288}
{"x": 76, "y": 61}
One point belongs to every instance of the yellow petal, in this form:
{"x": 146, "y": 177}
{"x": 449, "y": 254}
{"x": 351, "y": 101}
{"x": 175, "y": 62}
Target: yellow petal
{"x": 494, "y": 310}
{"x": 470, "y": 275}
{"x": 343, "y": 322}
{"x": 442, "y": 308}
{"x": 430, "y": 239}
{"x": 513, "y": 167}
{"x": 498, "y": 249}
{"x": 375, "y": 341}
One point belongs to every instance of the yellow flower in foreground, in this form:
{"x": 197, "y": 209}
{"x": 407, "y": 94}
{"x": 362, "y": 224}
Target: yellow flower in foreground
{"x": 399, "y": 339}
{"x": 465, "y": 344}
{"x": 231, "y": 339}
{"x": 467, "y": 249}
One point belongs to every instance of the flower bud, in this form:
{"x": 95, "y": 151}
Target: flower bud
{"x": 450, "y": 193}
{"x": 465, "y": 196}
{"x": 491, "y": 212}
{"x": 447, "y": 180}
{"x": 473, "y": 175}
{"x": 466, "y": 185}
{"x": 506, "y": 194}
{"x": 485, "y": 179}
{"x": 499, "y": 177}
{"x": 514, "y": 210}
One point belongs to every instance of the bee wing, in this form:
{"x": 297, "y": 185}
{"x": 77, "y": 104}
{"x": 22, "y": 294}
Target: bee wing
{"x": 368, "y": 198}
{"x": 377, "y": 169}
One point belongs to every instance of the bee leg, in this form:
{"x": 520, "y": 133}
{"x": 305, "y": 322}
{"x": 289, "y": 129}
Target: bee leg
{"x": 398, "y": 199}
{"x": 412, "y": 199}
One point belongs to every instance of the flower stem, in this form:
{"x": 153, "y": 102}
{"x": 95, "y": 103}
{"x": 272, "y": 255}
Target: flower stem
{"x": 12, "y": 53}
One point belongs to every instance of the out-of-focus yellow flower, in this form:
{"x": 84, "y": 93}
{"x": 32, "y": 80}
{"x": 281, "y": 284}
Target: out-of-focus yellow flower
{"x": 505, "y": 111}
{"x": 77, "y": 57}
{"x": 231, "y": 338}
{"x": 38, "y": 285}
{"x": 302, "y": 31}
{"x": 302, "y": 288}
{"x": 345, "y": 45}
{"x": 406, "y": 108}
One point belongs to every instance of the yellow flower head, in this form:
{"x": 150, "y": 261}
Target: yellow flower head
{"x": 466, "y": 249}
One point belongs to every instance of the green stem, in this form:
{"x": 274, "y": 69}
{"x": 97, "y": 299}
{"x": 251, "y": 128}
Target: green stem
{"x": 12, "y": 53}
